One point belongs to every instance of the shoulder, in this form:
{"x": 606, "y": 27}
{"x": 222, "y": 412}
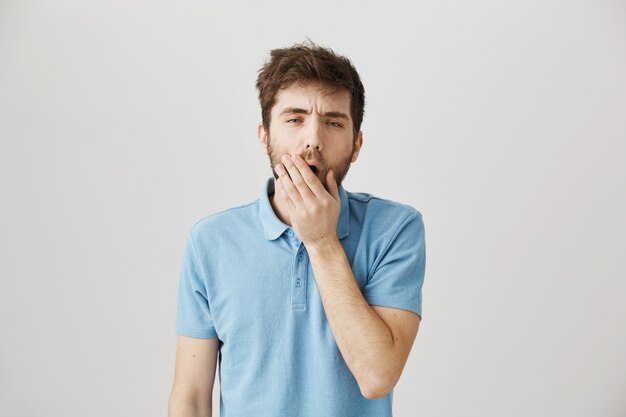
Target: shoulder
{"x": 380, "y": 213}
{"x": 228, "y": 220}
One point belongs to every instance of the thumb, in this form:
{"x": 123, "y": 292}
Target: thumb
{"x": 332, "y": 185}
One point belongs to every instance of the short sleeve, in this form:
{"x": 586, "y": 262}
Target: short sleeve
{"x": 193, "y": 316}
{"x": 397, "y": 276}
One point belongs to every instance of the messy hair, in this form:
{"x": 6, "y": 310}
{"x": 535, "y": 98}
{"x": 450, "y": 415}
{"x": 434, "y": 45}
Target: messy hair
{"x": 308, "y": 62}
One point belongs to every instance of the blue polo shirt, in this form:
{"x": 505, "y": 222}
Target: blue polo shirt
{"x": 246, "y": 278}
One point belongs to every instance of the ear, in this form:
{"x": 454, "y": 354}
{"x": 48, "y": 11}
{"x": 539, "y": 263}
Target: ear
{"x": 357, "y": 146}
{"x": 262, "y": 134}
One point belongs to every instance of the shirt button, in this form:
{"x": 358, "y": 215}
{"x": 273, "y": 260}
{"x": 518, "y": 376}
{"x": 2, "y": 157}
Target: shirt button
{"x": 298, "y": 282}
{"x": 290, "y": 232}
{"x": 300, "y": 256}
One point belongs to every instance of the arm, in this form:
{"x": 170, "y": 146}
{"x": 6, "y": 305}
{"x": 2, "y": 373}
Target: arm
{"x": 374, "y": 341}
{"x": 192, "y": 391}
{"x": 374, "y": 347}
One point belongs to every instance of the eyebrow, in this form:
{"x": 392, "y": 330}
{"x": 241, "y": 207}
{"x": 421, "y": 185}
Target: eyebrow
{"x": 298, "y": 110}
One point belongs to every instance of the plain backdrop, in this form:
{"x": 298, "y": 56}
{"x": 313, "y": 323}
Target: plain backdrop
{"x": 122, "y": 122}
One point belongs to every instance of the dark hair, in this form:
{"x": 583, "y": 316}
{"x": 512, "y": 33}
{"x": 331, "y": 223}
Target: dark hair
{"x": 307, "y": 62}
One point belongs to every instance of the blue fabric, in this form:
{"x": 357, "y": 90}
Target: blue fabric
{"x": 246, "y": 278}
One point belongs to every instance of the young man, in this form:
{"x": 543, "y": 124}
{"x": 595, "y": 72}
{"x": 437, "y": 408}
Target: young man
{"x": 310, "y": 296}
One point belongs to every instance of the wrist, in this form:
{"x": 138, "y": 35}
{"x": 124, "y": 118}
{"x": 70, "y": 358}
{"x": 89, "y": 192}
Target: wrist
{"x": 324, "y": 246}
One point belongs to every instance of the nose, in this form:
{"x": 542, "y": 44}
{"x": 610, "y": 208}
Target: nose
{"x": 314, "y": 135}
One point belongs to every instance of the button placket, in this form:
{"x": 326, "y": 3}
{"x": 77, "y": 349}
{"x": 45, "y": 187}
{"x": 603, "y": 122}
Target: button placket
{"x": 299, "y": 279}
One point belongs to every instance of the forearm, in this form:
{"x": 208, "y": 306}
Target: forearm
{"x": 361, "y": 335}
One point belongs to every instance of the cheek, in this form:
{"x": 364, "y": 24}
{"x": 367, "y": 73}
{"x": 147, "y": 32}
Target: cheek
{"x": 345, "y": 152}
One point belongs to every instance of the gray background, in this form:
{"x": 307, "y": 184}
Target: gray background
{"x": 124, "y": 122}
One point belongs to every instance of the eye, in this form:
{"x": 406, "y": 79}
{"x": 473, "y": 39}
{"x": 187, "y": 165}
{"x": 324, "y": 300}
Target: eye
{"x": 335, "y": 124}
{"x": 290, "y": 120}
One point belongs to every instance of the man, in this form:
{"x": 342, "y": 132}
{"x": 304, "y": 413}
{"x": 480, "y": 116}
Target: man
{"x": 310, "y": 296}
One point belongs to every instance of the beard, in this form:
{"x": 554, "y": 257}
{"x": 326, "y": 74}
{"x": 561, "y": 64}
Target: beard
{"x": 339, "y": 171}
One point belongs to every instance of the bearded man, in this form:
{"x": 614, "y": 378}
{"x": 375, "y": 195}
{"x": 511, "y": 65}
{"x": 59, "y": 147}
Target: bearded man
{"x": 309, "y": 297}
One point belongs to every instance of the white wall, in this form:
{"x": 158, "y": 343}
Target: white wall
{"x": 123, "y": 122}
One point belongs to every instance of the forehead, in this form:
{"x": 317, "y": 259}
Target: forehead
{"x": 311, "y": 96}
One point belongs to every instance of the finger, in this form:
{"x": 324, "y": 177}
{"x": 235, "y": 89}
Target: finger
{"x": 332, "y": 185}
{"x": 297, "y": 178}
{"x": 285, "y": 197}
{"x": 315, "y": 187}
{"x": 288, "y": 185}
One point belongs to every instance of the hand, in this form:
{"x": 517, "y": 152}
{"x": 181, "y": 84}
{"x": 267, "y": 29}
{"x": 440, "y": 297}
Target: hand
{"x": 313, "y": 211}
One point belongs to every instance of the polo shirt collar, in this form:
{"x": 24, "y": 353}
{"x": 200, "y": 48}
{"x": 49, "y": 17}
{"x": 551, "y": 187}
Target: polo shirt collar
{"x": 272, "y": 225}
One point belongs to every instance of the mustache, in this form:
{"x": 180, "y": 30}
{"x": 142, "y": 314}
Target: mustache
{"x": 313, "y": 157}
